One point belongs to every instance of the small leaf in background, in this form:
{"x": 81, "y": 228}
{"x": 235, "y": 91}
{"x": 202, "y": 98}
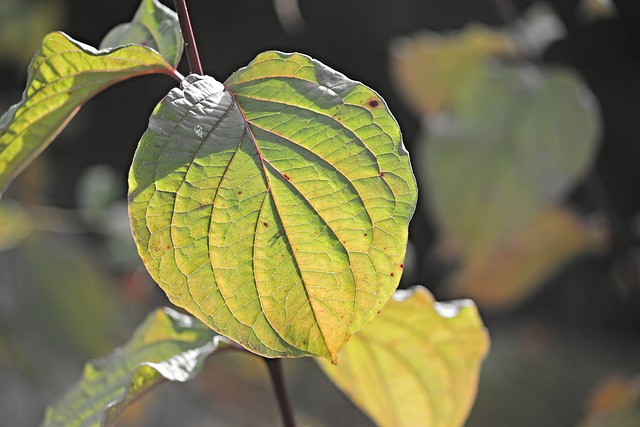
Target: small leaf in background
{"x": 289, "y": 15}
{"x": 63, "y": 75}
{"x": 431, "y": 68}
{"x": 70, "y": 298}
{"x": 274, "y": 208}
{"x": 598, "y": 9}
{"x": 23, "y": 24}
{"x": 417, "y": 364}
{"x": 517, "y": 142}
{"x": 511, "y": 270}
{"x": 166, "y": 346}
{"x": 537, "y": 28}
{"x": 614, "y": 403}
{"x": 154, "y": 25}
{"x": 15, "y": 224}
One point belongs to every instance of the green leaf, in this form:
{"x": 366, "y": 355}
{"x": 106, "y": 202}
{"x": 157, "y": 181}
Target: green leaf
{"x": 63, "y": 75}
{"x": 417, "y": 364}
{"x": 275, "y": 208}
{"x": 515, "y": 144}
{"x": 166, "y": 346}
{"x": 154, "y": 25}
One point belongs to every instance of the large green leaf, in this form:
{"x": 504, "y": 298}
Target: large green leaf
{"x": 166, "y": 346}
{"x": 517, "y": 141}
{"x": 275, "y": 207}
{"x": 63, "y": 75}
{"x": 154, "y": 25}
{"x": 415, "y": 365}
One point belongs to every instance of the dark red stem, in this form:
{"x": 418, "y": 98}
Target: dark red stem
{"x": 190, "y": 47}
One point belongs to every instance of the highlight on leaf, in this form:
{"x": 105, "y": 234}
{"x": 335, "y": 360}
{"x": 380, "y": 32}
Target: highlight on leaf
{"x": 274, "y": 207}
{"x": 415, "y": 365}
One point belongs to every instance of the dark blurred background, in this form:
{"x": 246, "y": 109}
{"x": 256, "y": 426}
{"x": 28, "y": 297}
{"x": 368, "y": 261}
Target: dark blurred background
{"x": 72, "y": 287}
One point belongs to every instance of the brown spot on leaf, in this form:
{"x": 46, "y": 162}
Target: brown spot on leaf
{"x": 402, "y": 266}
{"x": 374, "y": 103}
{"x": 391, "y": 274}
{"x": 365, "y": 234}
{"x": 286, "y": 177}
{"x": 240, "y": 192}
{"x": 381, "y": 174}
{"x": 265, "y": 224}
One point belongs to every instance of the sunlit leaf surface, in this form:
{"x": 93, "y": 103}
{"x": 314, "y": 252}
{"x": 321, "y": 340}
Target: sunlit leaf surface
{"x": 274, "y": 208}
{"x": 415, "y": 365}
{"x": 430, "y": 69}
{"x": 167, "y": 346}
{"x": 154, "y": 25}
{"x": 517, "y": 141}
{"x": 63, "y": 75}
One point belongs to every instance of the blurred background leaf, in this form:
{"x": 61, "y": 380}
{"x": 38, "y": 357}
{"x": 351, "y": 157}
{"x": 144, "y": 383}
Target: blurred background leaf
{"x": 517, "y": 141}
{"x": 509, "y": 272}
{"x": 23, "y": 23}
{"x": 615, "y": 403}
{"x": 431, "y": 69}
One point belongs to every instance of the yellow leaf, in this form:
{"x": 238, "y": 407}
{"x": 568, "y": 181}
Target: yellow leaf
{"x": 417, "y": 364}
{"x": 514, "y": 268}
{"x": 431, "y": 68}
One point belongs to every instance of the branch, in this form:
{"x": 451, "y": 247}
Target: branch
{"x": 193, "y": 58}
{"x": 277, "y": 378}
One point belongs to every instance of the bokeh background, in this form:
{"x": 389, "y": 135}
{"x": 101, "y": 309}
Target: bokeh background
{"x": 560, "y": 297}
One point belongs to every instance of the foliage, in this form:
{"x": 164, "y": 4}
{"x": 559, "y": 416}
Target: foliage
{"x": 273, "y": 207}
{"x": 415, "y": 364}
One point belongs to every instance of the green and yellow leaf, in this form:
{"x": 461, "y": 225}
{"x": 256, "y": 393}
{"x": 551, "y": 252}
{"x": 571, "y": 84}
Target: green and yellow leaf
{"x": 415, "y": 365}
{"x": 275, "y": 207}
{"x": 63, "y": 75}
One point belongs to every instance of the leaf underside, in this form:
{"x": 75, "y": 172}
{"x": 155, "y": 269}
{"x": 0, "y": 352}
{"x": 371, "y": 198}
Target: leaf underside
{"x": 274, "y": 207}
{"x": 166, "y": 346}
{"x": 415, "y": 365}
{"x": 63, "y": 75}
